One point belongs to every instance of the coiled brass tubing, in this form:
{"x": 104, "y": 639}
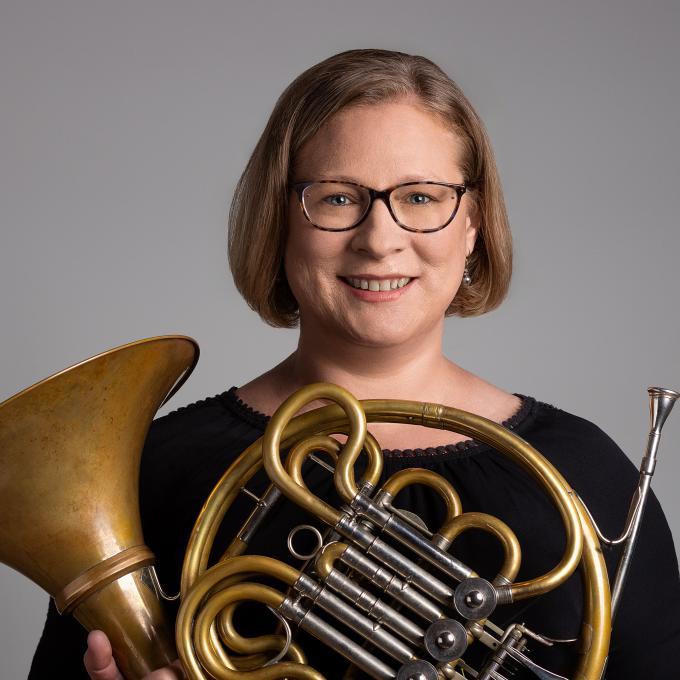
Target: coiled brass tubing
{"x": 349, "y": 416}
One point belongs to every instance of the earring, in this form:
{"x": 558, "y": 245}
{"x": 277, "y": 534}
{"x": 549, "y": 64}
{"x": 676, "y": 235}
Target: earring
{"x": 467, "y": 279}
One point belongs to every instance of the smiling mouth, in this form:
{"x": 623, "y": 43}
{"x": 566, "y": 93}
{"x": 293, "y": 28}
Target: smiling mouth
{"x": 377, "y": 284}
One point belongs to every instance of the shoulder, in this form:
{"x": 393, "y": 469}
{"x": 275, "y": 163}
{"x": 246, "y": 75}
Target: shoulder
{"x": 573, "y": 442}
{"x": 596, "y": 468}
{"x": 192, "y": 446}
{"x": 210, "y": 422}
{"x": 606, "y": 479}
{"x": 587, "y": 457}
{"x": 185, "y": 454}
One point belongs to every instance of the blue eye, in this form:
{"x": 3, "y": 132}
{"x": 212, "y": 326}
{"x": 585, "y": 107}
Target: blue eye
{"x": 338, "y": 200}
{"x": 418, "y": 199}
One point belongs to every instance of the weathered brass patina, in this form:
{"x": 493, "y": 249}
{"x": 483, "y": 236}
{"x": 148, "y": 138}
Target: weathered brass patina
{"x": 205, "y": 591}
{"x": 70, "y": 447}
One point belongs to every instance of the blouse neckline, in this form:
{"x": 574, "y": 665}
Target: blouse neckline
{"x": 466, "y": 447}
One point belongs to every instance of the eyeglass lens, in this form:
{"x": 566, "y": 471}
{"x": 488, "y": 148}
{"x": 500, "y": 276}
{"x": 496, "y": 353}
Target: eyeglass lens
{"x": 336, "y": 205}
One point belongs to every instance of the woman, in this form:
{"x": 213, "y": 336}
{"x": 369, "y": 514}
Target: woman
{"x": 369, "y": 211}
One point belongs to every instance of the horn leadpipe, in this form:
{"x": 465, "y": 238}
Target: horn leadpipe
{"x": 661, "y": 402}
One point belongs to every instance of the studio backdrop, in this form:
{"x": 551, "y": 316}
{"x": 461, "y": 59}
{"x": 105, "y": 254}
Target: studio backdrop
{"x": 124, "y": 127}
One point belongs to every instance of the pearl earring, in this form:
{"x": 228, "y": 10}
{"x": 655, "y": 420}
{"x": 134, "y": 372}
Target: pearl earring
{"x": 467, "y": 279}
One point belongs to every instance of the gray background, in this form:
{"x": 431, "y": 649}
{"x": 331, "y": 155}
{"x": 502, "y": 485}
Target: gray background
{"x": 125, "y": 125}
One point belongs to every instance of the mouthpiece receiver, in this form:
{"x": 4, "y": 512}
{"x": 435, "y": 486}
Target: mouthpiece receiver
{"x": 661, "y": 402}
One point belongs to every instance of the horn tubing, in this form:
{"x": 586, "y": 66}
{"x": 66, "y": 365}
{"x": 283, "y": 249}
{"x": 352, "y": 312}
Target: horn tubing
{"x": 330, "y": 419}
{"x": 494, "y": 526}
{"x": 403, "y": 478}
{"x": 661, "y": 402}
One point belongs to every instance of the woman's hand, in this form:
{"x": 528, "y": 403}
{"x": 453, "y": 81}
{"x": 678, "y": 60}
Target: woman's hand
{"x": 100, "y": 664}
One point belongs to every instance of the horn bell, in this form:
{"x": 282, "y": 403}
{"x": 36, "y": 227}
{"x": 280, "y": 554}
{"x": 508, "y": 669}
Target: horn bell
{"x": 70, "y": 448}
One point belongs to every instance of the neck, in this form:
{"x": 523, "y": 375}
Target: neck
{"x": 415, "y": 370}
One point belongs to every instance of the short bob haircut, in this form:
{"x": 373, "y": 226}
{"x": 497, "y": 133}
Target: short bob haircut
{"x": 258, "y": 216}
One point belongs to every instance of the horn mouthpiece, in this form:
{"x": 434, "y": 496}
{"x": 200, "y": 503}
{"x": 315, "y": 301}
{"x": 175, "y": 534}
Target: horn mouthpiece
{"x": 661, "y": 402}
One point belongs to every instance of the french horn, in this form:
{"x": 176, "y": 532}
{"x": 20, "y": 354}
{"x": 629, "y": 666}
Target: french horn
{"x": 407, "y": 607}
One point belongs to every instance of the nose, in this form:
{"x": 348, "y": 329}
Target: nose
{"x": 378, "y": 235}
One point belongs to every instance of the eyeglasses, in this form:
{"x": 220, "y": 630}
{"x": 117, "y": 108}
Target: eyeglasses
{"x": 415, "y": 206}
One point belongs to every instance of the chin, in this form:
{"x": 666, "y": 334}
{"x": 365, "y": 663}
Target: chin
{"x": 378, "y": 337}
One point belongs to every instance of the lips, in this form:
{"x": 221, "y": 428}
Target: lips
{"x": 373, "y": 292}
{"x": 376, "y": 284}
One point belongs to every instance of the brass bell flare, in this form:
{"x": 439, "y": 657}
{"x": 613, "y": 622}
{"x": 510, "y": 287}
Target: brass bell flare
{"x": 70, "y": 448}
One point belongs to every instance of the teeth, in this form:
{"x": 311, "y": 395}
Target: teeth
{"x": 374, "y": 284}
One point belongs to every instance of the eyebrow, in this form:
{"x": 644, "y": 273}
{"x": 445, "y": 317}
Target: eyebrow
{"x": 402, "y": 180}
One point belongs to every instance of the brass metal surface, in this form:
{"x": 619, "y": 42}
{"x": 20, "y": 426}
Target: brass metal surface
{"x": 597, "y": 617}
{"x": 101, "y": 574}
{"x": 69, "y": 459}
{"x": 403, "y": 478}
{"x": 70, "y": 447}
{"x": 492, "y": 525}
{"x": 326, "y": 561}
{"x": 201, "y": 586}
{"x": 203, "y": 603}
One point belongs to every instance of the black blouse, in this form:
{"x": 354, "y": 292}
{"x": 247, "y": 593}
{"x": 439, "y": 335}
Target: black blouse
{"x": 187, "y": 451}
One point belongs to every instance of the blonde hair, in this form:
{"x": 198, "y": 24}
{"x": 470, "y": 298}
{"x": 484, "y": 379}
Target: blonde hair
{"x": 258, "y": 215}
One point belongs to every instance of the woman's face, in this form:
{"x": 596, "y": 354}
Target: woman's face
{"x": 378, "y": 146}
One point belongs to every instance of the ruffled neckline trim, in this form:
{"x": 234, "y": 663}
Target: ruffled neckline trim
{"x": 467, "y": 446}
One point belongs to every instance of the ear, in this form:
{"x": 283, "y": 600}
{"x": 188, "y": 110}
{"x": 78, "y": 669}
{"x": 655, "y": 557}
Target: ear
{"x": 472, "y": 220}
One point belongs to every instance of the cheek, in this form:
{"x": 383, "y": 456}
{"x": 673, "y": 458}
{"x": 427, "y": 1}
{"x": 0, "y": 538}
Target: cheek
{"x": 445, "y": 256}
{"x": 295, "y": 254}
{"x": 309, "y": 259}
{"x": 294, "y": 264}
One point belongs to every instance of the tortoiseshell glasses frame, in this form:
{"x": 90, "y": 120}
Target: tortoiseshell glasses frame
{"x": 385, "y": 196}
